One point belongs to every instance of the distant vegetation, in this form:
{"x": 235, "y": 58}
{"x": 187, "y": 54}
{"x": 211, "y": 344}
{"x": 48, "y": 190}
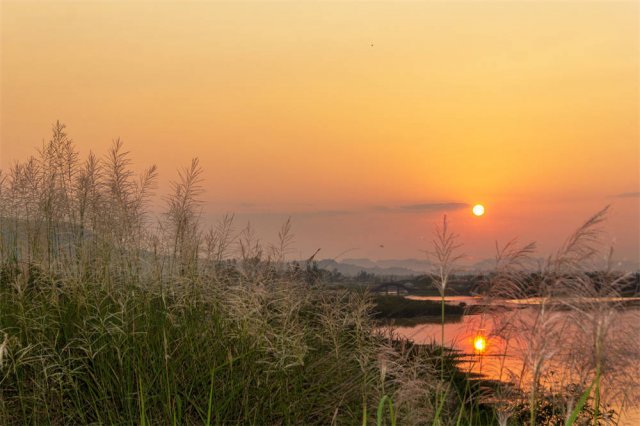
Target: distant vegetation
{"x": 395, "y": 307}
{"x": 110, "y": 315}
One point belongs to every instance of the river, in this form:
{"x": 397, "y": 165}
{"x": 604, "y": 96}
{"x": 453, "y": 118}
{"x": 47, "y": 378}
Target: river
{"x": 490, "y": 354}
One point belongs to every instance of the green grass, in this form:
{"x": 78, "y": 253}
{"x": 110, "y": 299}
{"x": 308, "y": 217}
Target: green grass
{"x": 281, "y": 353}
{"x": 83, "y": 355}
{"x": 274, "y": 352}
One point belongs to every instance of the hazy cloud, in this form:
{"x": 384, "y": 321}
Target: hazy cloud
{"x": 324, "y": 213}
{"x": 628, "y": 195}
{"x": 298, "y": 214}
{"x": 434, "y": 206}
{"x": 294, "y": 210}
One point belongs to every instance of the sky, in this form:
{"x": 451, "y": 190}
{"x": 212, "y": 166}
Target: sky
{"x": 365, "y": 122}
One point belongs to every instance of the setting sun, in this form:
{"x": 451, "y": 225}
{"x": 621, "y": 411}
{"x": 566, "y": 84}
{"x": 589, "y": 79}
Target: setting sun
{"x": 480, "y": 344}
{"x": 478, "y": 210}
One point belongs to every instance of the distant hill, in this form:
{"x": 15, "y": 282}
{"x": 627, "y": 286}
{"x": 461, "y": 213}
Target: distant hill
{"x": 350, "y": 269}
{"x": 417, "y": 266}
{"x": 395, "y": 267}
{"x": 408, "y": 267}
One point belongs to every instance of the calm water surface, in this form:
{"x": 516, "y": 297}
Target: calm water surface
{"x": 500, "y": 360}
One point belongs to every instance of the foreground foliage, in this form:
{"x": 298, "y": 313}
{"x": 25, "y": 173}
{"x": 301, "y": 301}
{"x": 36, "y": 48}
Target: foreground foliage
{"x": 111, "y": 316}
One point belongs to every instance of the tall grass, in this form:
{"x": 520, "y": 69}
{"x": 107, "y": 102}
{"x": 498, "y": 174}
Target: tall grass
{"x": 445, "y": 247}
{"x": 570, "y": 340}
{"x": 110, "y": 315}
{"x": 102, "y": 354}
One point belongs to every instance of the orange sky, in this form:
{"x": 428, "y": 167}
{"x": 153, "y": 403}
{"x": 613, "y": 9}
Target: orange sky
{"x": 341, "y": 113}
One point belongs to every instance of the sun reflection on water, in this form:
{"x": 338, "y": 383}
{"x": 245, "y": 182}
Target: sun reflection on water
{"x": 480, "y": 343}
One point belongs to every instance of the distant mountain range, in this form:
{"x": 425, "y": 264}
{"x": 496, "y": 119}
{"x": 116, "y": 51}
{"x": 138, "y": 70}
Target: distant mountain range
{"x": 396, "y": 267}
{"x": 350, "y": 268}
{"x": 405, "y": 267}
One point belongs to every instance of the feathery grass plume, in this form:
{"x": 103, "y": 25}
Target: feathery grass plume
{"x": 606, "y": 331}
{"x": 446, "y": 254}
{"x": 90, "y": 204}
{"x": 571, "y": 301}
{"x": 509, "y": 281}
{"x": 280, "y": 250}
{"x": 58, "y": 167}
{"x": 183, "y": 217}
{"x": 26, "y": 188}
{"x": 581, "y": 247}
{"x": 9, "y": 220}
{"x": 411, "y": 381}
{"x": 594, "y": 305}
{"x": 250, "y": 252}
{"x": 536, "y": 331}
{"x": 511, "y": 278}
{"x": 505, "y": 399}
{"x": 219, "y": 239}
{"x": 124, "y": 226}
